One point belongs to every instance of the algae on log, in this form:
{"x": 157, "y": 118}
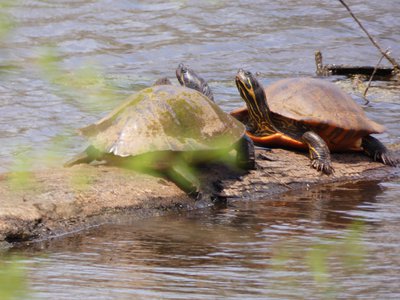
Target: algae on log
{"x": 65, "y": 200}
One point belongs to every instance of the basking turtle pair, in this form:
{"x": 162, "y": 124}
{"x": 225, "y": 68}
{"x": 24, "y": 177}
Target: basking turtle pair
{"x": 167, "y": 128}
{"x": 307, "y": 113}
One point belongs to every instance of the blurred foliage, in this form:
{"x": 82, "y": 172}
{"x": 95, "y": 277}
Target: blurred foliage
{"x": 86, "y": 86}
{"x": 317, "y": 261}
{"x": 13, "y": 283}
{"x": 21, "y": 175}
{"x": 57, "y": 147}
{"x": 6, "y": 22}
{"x": 322, "y": 259}
{"x": 81, "y": 179}
{"x": 88, "y": 89}
{"x": 353, "y": 252}
{"x": 184, "y": 176}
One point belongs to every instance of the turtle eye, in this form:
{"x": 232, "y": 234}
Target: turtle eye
{"x": 247, "y": 73}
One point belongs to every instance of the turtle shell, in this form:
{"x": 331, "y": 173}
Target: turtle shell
{"x": 316, "y": 102}
{"x": 164, "y": 118}
{"x": 321, "y": 105}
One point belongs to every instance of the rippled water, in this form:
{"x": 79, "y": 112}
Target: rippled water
{"x": 247, "y": 250}
{"x": 230, "y": 252}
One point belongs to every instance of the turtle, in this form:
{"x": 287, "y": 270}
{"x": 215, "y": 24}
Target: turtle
{"x": 188, "y": 77}
{"x": 308, "y": 113}
{"x": 166, "y": 128}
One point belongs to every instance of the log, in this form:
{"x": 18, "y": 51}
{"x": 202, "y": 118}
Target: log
{"x": 381, "y": 73}
{"x": 61, "y": 201}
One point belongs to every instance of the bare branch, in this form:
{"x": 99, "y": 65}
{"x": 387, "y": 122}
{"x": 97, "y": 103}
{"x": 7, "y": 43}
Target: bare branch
{"x": 372, "y": 76}
{"x": 385, "y": 54}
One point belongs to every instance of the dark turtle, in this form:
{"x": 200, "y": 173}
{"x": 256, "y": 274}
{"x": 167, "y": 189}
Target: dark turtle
{"x": 307, "y": 113}
{"x": 166, "y": 128}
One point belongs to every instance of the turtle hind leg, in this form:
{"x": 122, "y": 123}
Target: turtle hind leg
{"x": 183, "y": 177}
{"x": 319, "y": 152}
{"x": 378, "y": 152}
{"x": 87, "y": 156}
{"x": 245, "y": 157}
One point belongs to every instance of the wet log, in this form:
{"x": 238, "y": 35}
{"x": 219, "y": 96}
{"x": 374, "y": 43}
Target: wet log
{"x": 62, "y": 200}
{"x": 282, "y": 171}
{"x": 381, "y": 73}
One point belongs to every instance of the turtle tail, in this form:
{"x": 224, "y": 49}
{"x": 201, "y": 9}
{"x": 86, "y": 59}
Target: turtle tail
{"x": 87, "y": 156}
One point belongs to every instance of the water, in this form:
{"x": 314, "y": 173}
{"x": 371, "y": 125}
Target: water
{"x": 247, "y": 250}
{"x": 233, "y": 252}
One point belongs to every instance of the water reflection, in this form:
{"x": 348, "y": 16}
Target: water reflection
{"x": 246, "y": 249}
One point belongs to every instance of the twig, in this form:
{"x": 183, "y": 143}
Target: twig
{"x": 396, "y": 66}
{"x": 372, "y": 76}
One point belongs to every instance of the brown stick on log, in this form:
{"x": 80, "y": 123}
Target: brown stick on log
{"x": 396, "y": 66}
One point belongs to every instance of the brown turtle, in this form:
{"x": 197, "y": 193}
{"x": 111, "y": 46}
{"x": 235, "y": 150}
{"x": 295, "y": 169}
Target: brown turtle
{"x": 167, "y": 128}
{"x": 307, "y": 113}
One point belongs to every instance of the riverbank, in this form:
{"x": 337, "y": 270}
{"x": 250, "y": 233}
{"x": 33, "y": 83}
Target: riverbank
{"x": 62, "y": 201}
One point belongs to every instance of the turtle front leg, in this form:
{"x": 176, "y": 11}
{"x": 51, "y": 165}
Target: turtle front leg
{"x": 245, "y": 157}
{"x": 377, "y": 151}
{"x": 181, "y": 174}
{"x": 319, "y": 152}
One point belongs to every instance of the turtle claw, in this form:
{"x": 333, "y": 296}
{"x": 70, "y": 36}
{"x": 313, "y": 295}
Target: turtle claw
{"x": 196, "y": 195}
{"x": 386, "y": 158}
{"x": 319, "y": 152}
{"x": 378, "y": 152}
{"x": 322, "y": 166}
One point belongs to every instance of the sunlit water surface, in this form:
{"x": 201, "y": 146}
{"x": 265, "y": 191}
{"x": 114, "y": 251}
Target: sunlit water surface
{"x": 301, "y": 245}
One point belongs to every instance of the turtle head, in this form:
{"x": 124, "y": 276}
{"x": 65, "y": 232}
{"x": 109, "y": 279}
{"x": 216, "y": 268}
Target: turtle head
{"x": 188, "y": 78}
{"x": 249, "y": 87}
{"x": 253, "y": 94}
